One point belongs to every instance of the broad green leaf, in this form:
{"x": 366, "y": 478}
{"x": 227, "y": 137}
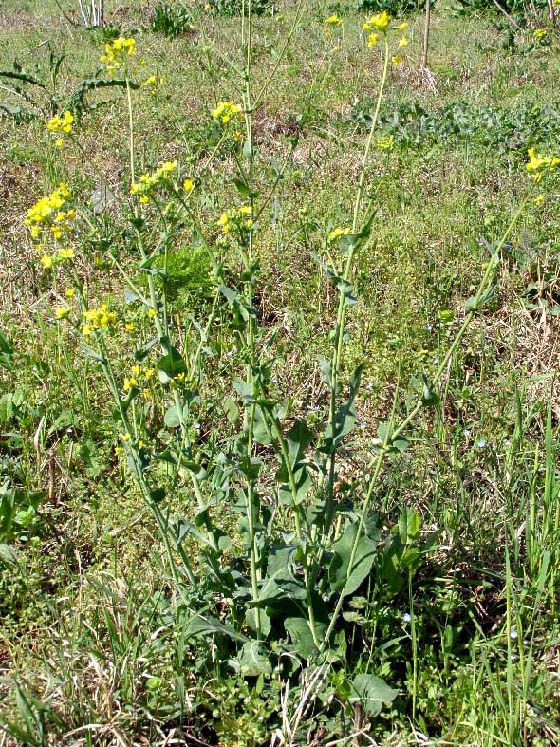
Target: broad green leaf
{"x": 342, "y": 577}
{"x": 261, "y": 433}
{"x": 372, "y": 692}
{"x": 208, "y": 625}
{"x": 250, "y": 662}
{"x": 170, "y": 365}
{"x": 264, "y": 619}
{"x": 8, "y": 555}
{"x": 301, "y": 636}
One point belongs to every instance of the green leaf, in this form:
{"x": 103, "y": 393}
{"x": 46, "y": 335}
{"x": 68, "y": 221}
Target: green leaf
{"x": 172, "y": 417}
{"x": 372, "y": 692}
{"x": 351, "y": 241}
{"x": 264, "y": 619}
{"x": 93, "y": 354}
{"x": 475, "y": 304}
{"x": 208, "y": 625}
{"x": 301, "y": 636}
{"x": 261, "y": 432}
{"x": 170, "y": 365}
{"x": 250, "y": 662}
{"x": 342, "y": 577}
{"x": 8, "y": 555}
{"x": 244, "y": 189}
{"x": 6, "y": 351}
{"x": 345, "y": 417}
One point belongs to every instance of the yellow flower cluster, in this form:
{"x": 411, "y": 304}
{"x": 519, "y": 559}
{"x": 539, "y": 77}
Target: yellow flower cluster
{"x": 61, "y": 126}
{"x": 50, "y": 226}
{"x": 225, "y": 111}
{"x": 117, "y": 52}
{"x": 236, "y": 219}
{"x": 336, "y": 233}
{"x": 98, "y": 319}
{"x": 139, "y": 378}
{"x": 379, "y": 23}
{"x": 538, "y": 165}
{"x": 148, "y": 182}
{"x": 385, "y": 143}
{"x": 332, "y": 22}
{"x": 540, "y": 33}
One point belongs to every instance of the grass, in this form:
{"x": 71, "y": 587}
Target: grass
{"x": 458, "y": 613}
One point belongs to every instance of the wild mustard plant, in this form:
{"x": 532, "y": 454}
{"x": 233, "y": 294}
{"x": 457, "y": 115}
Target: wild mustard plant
{"x": 297, "y": 554}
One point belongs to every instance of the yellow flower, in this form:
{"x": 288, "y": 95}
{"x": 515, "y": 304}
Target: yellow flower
{"x": 372, "y": 40}
{"x": 166, "y": 169}
{"x": 152, "y": 313}
{"x": 59, "y": 142}
{"x": 386, "y": 143}
{"x": 98, "y": 319}
{"x": 61, "y": 312}
{"x": 129, "y": 383}
{"x": 225, "y": 111}
{"x": 129, "y": 326}
{"x": 397, "y": 59}
{"x": 117, "y": 52}
{"x": 336, "y": 233}
{"x": 403, "y": 41}
{"x": 65, "y": 253}
{"x": 539, "y": 199}
{"x": 537, "y": 164}
{"x": 333, "y": 21}
{"x": 61, "y": 124}
{"x": 224, "y": 222}
{"x": 47, "y": 261}
{"x": 188, "y": 185}
{"x": 70, "y": 292}
{"x": 379, "y": 22}
{"x": 151, "y": 81}
{"x": 149, "y": 373}
{"x": 540, "y": 33}
{"x": 402, "y": 26}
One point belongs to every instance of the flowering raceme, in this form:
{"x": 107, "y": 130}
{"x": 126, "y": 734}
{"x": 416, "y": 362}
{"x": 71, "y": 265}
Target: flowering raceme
{"x": 332, "y": 22}
{"x": 98, "y": 319}
{"x": 378, "y": 22}
{"x": 336, "y": 233}
{"x": 147, "y": 183}
{"x": 117, "y": 52}
{"x": 538, "y": 165}
{"x": 235, "y": 219}
{"x": 61, "y": 124}
{"x": 50, "y": 226}
{"x": 225, "y": 111}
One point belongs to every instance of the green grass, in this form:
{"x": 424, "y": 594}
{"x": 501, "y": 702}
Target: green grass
{"x": 459, "y": 614}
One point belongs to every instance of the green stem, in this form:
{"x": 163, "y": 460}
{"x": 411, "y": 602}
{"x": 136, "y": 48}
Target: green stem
{"x": 342, "y": 303}
{"x": 130, "y": 130}
{"x": 393, "y": 434}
